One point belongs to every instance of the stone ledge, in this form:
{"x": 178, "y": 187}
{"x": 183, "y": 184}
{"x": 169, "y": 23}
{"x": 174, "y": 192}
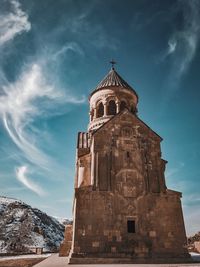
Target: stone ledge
{"x": 89, "y": 260}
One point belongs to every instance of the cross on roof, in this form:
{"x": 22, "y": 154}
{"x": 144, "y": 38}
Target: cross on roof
{"x": 112, "y": 62}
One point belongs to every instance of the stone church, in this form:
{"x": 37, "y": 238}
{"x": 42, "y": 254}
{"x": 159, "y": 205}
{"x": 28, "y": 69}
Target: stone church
{"x": 123, "y": 212}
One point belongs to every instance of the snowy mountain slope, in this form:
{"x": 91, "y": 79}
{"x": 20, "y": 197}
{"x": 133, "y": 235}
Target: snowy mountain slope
{"x": 191, "y": 242}
{"x": 23, "y": 227}
{"x": 63, "y": 221}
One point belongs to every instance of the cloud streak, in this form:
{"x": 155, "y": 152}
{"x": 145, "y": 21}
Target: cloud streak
{"x": 182, "y": 44}
{"x": 171, "y": 47}
{"x": 31, "y": 97}
{"x": 21, "y": 174}
{"x": 18, "y": 109}
{"x": 71, "y": 46}
{"x": 22, "y": 102}
{"x": 13, "y": 23}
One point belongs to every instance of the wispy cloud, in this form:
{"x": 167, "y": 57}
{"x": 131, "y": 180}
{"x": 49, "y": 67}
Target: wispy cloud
{"x": 21, "y": 174}
{"x": 71, "y": 46}
{"x": 93, "y": 33}
{"x": 182, "y": 44}
{"x": 23, "y": 101}
{"x": 13, "y": 23}
{"x": 33, "y": 95}
{"x": 171, "y": 46}
{"x": 17, "y": 109}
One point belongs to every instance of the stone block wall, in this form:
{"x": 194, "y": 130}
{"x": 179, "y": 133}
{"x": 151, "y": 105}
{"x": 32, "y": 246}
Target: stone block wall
{"x": 65, "y": 246}
{"x": 101, "y": 225}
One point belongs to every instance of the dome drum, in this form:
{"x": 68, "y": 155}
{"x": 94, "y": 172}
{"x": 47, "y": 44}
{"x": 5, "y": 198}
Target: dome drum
{"x": 108, "y": 102}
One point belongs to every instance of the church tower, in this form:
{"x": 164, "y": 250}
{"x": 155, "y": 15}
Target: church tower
{"x": 123, "y": 211}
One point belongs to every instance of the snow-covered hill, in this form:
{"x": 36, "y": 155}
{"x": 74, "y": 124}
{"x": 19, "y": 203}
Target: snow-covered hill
{"x": 23, "y": 228}
{"x": 191, "y": 242}
{"x": 63, "y": 221}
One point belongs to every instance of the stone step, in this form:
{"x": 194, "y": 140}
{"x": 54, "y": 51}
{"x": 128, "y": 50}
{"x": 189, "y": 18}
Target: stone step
{"x": 90, "y": 260}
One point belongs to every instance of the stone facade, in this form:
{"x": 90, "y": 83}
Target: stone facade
{"x": 67, "y": 242}
{"x": 123, "y": 211}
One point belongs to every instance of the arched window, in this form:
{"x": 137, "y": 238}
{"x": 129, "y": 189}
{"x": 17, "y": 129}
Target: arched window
{"x": 123, "y": 105}
{"x": 111, "y": 107}
{"x": 100, "y": 110}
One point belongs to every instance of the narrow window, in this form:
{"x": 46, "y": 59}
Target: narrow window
{"x": 100, "y": 110}
{"x": 112, "y": 108}
{"x": 128, "y": 154}
{"x": 131, "y": 226}
{"x": 122, "y": 105}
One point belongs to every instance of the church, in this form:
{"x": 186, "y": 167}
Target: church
{"x": 123, "y": 211}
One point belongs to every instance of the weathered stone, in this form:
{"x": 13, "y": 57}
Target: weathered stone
{"x": 67, "y": 242}
{"x": 152, "y": 233}
{"x": 95, "y": 244}
{"x": 122, "y": 207}
{"x": 113, "y": 249}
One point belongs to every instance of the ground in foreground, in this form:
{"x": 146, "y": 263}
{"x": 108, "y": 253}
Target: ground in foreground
{"x": 55, "y": 261}
{"x": 22, "y": 260}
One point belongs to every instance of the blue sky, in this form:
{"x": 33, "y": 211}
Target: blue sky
{"x": 54, "y": 53}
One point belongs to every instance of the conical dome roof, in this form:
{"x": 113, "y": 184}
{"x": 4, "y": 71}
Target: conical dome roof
{"x": 113, "y": 79}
